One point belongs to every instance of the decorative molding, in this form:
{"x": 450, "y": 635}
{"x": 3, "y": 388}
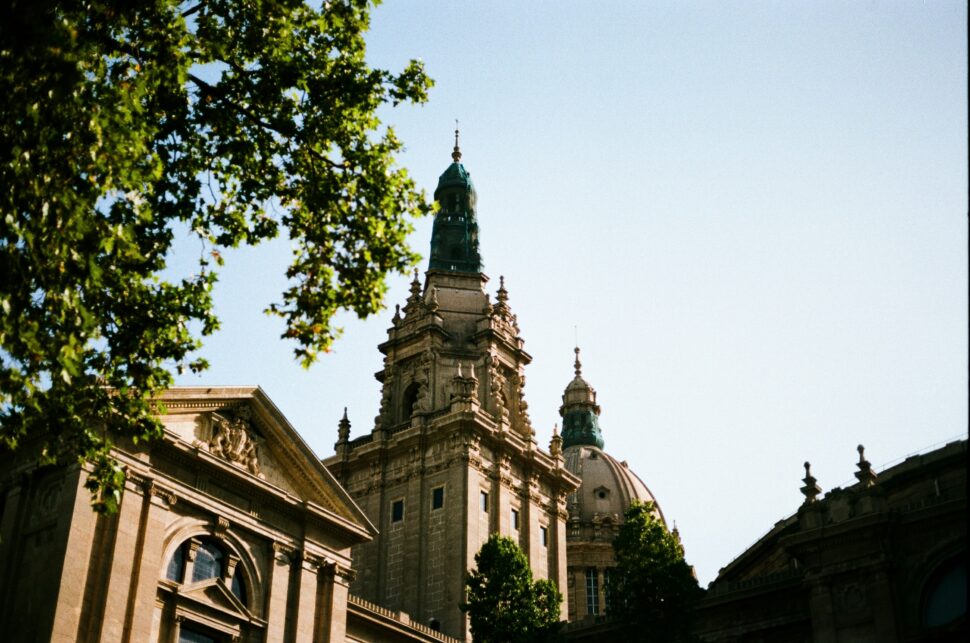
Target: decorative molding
{"x": 284, "y": 553}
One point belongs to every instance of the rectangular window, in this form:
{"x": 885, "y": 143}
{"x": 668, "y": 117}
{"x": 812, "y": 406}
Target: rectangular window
{"x": 187, "y": 635}
{"x": 592, "y": 592}
{"x": 544, "y": 536}
{"x": 397, "y": 511}
{"x": 515, "y": 519}
{"x": 484, "y": 499}
{"x": 438, "y": 498}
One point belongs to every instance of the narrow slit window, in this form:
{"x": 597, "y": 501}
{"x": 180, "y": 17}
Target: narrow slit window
{"x": 484, "y": 501}
{"x": 438, "y": 498}
{"x": 397, "y": 511}
{"x": 515, "y": 519}
{"x": 544, "y": 536}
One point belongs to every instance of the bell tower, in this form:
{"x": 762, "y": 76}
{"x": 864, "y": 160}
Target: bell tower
{"x": 452, "y": 457}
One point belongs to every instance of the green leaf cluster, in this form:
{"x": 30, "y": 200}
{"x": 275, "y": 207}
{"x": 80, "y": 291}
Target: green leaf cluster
{"x": 504, "y": 603}
{"x": 653, "y": 590}
{"x": 124, "y": 121}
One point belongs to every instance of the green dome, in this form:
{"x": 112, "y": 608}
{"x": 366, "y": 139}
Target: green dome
{"x": 456, "y": 176}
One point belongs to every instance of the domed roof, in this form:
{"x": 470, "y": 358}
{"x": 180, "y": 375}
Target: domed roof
{"x": 455, "y": 175}
{"x": 609, "y": 487}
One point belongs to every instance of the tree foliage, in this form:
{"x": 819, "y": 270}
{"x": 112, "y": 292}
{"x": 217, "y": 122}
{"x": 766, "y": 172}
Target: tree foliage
{"x": 122, "y": 122}
{"x": 504, "y": 602}
{"x": 654, "y": 591}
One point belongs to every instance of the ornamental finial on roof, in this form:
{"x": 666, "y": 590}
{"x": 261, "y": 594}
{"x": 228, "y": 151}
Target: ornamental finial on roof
{"x": 502, "y": 295}
{"x": 555, "y": 444}
{"x": 456, "y": 153}
{"x": 811, "y": 488}
{"x": 865, "y": 474}
{"x": 343, "y": 428}
{"x": 577, "y": 365}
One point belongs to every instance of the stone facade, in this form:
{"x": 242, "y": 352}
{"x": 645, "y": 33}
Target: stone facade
{"x": 452, "y": 456}
{"x": 229, "y": 529}
{"x": 881, "y": 561}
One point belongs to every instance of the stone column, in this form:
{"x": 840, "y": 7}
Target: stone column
{"x": 148, "y": 564}
{"x": 558, "y": 569}
{"x": 823, "y": 616}
{"x": 77, "y": 558}
{"x": 122, "y": 567}
{"x": 883, "y": 610}
{"x": 333, "y": 590}
{"x": 306, "y": 604}
{"x": 278, "y": 583}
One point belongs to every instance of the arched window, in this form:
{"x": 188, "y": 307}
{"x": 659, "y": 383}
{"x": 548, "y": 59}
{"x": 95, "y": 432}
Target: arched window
{"x": 196, "y": 606}
{"x": 209, "y": 562}
{"x": 408, "y": 400}
{"x": 945, "y": 600}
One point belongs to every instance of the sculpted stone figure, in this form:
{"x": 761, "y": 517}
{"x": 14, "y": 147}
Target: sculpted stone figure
{"x": 232, "y": 441}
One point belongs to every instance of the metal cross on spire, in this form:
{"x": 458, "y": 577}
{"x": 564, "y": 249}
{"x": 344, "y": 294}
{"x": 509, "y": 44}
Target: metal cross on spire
{"x": 456, "y": 154}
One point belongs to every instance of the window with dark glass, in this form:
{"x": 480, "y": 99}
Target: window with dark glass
{"x": 176, "y": 566}
{"x": 208, "y": 562}
{"x": 484, "y": 500}
{"x": 592, "y": 591}
{"x": 515, "y": 519}
{"x": 946, "y": 598}
{"x": 544, "y": 536}
{"x": 238, "y": 586}
{"x": 438, "y": 498}
{"x": 189, "y": 635}
{"x": 397, "y": 511}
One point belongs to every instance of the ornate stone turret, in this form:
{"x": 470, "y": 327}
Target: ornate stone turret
{"x": 580, "y": 412}
{"x": 454, "y": 237}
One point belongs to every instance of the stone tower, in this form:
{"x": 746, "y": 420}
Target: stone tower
{"x": 452, "y": 457}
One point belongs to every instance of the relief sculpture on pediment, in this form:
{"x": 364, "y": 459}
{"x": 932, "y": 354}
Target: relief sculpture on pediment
{"x": 233, "y": 441}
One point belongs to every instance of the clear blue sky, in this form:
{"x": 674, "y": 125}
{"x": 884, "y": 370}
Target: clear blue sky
{"x": 754, "y": 213}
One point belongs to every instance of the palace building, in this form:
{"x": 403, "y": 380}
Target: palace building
{"x": 231, "y": 529}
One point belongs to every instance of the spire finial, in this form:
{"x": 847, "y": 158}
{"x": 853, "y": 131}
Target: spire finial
{"x": 502, "y": 295}
{"x": 577, "y": 364}
{"x": 811, "y": 488}
{"x": 555, "y": 444}
{"x": 865, "y": 474}
{"x": 456, "y": 153}
{"x": 343, "y": 428}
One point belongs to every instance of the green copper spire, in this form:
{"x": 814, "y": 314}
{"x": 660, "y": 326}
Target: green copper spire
{"x": 580, "y": 412}
{"x": 454, "y": 237}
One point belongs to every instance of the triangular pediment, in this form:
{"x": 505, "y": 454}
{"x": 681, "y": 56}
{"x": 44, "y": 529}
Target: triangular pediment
{"x": 213, "y": 593}
{"x": 242, "y": 432}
